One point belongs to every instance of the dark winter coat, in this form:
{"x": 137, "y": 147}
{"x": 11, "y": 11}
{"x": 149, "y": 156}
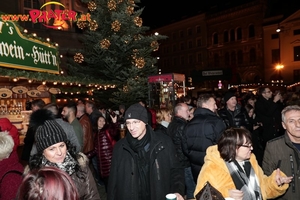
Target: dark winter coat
{"x": 237, "y": 118}
{"x": 202, "y": 131}
{"x": 268, "y": 113}
{"x": 85, "y": 182}
{"x": 282, "y": 149}
{"x": 166, "y": 175}
{"x": 175, "y": 131}
{"x": 161, "y": 129}
{"x": 103, "y": 148}
{"x": 28, "y": 142}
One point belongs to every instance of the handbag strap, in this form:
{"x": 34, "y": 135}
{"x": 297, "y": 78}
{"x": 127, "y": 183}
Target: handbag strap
{"x": 11, "y": 171}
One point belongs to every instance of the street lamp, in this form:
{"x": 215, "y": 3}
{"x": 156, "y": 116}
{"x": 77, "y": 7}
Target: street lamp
{"x": 279, "y": 66}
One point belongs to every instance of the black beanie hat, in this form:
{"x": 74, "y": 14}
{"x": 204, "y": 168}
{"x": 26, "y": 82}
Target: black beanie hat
{"x": 228, "y": 95}
{"x": 137, "y": 111}
{"x": 49, "y": 134}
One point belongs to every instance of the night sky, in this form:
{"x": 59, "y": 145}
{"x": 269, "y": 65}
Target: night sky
{"x": 158, "y": 13}
{"x": 161, "y": 12}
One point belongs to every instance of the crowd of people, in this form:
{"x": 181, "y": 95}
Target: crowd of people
{"x": 247, "y": 146}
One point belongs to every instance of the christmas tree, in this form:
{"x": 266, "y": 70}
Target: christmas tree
{"x": 116, "y": 50}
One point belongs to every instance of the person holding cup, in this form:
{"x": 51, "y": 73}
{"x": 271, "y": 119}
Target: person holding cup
{"x": 144, "y": 163}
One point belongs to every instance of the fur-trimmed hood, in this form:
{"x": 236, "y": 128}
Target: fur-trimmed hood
{"x": 38, "y": 117}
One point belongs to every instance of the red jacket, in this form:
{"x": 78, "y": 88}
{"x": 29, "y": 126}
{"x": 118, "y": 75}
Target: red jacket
{"x": 103, "y": 148}
{"x": 11, "y": 181}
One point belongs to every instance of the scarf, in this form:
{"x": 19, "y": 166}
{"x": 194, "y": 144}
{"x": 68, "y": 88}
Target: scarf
{"x": 141, "y": 148}
{"x": 245, "y": 180}
{"x": 68, "y": 165}
{"x": 165, "y": 124}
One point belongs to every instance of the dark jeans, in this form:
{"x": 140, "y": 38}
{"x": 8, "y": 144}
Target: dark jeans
{"x": 189, "y": 183}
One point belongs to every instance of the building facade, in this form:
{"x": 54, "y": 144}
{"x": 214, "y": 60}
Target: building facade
{"x": 239, "y": 45}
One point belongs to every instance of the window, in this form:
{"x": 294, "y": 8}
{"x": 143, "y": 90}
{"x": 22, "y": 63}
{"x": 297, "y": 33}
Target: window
{"x": 181, "y": 34}
{"x": 182, "y": 60}
{"x": 274, "y": 36}
{"x": 239, "y": 34}
{"x": 190, "y": 32}
{"x": 275, "y": 56}
{"x": 215, "y": 39}
{"x": 181, "y": 46}
{"x": 190, "y": 44}
{"x": 297, "y": 75}
{"x": 198, "y": 29}
{"x": 297, "y": 32}
{"x": 199, "y": 58}
{"x": 174, "y": 48}
{"x": 233, "y": 58}
{"x": 191, "y": 59}
{"x": 251, "y": 31}
{"x": 29, "y": 5}
{"x": 232, "y": 35}
{"x": 297, "y": 53}
{"x": 32, "y": 4}
{"x": 216, "y": 60}
{"x": 175, "y": 61}
{"x": 225, "y": 36}
{"x": 240, "y": 57}
{"x": 252, "y": 55}
{"x": 227, "y": 59}
{"x": 174, "y": 36}
{"x": 199, "y": 42}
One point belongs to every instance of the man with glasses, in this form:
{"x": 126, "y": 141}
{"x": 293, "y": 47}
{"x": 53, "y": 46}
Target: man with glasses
{"x": 284, "y": 152}
{"x": 267, "y": 111}
{"x": 144, "y": 163}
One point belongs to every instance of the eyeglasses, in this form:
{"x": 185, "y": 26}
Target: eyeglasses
{"x": 134, "y": 123}
{"x": 246, "y": 145}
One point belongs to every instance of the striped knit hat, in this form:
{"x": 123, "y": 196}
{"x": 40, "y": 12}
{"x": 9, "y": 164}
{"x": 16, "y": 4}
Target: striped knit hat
{"x": 49, "y": 134}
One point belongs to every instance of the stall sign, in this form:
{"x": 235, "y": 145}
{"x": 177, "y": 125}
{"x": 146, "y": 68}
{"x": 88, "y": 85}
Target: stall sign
{"x": 20, "y": 52}
{"x": 166, "y": 77}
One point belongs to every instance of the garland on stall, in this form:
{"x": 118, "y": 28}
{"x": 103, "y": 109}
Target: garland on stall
{"x": 43, "y": 76}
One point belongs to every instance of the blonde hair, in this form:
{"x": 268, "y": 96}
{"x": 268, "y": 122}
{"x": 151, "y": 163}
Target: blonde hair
{"x": 6, "y": 145}
{"x": 160, "y": 113}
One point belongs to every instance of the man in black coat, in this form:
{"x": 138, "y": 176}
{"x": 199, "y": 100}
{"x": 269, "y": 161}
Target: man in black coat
{"x": 233, "y": 114}
{"x": 268, "y": 111}
{"x": 36, "y": 104}
{"x": 202, "y": 131}
{"x": 144, "y": 163}
{"x": 175, "y": 131}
